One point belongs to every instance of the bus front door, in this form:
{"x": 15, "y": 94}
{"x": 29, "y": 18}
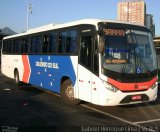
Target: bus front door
{"x": 84, "y": 68}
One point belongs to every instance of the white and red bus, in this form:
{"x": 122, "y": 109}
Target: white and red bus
{"x": 156, "y": 41}
{"x": 104, "y": 62}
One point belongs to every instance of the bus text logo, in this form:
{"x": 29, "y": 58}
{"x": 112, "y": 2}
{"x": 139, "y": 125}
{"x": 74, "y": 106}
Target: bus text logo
{"x": 47, "y": 65}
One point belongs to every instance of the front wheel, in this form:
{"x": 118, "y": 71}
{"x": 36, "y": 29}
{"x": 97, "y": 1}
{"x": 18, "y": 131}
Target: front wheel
{"x": 67, "y": 93}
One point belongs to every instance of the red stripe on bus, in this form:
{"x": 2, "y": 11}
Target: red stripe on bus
{"x": 26, "y": 66}
{"x": 132, "y": 86}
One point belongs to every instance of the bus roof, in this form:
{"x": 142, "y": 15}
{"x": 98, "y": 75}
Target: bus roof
{"x": 58, "y": 26}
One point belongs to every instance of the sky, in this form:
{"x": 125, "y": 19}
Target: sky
{"x": 13, "y": 13}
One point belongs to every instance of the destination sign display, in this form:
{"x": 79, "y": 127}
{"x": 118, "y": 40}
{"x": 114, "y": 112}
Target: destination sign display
{"x": 115, "y": 61}
{"x": 114, "y": 32}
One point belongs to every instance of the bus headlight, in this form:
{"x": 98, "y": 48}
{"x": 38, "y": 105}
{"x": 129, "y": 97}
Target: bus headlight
{"x": 154, "y": 85}
{"x": 110, "y": 87}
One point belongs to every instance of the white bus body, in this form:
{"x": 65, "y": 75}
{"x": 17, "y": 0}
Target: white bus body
{"x": 88, "y": 60}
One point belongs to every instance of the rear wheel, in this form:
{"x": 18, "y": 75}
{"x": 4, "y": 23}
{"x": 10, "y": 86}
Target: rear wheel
{"x": 16, "y": 78}
{"x": 67, "y": 93}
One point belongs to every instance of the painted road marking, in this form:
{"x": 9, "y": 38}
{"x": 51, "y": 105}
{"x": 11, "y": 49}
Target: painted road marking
{"x": 115, "y": 117}
{"x": 111, "y": 115}
{"x": 118, "y": 118}
{"x": 148, "y": 121}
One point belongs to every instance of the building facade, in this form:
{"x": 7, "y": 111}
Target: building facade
{"x": 133, "y": 11}
{"x": 150, "y": 24}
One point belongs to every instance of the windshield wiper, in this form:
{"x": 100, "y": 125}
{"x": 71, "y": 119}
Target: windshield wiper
{"x": 129, "y": 56}
{"x": 129, "y": 64}
{"x": 137, "y": 56}
{"x": 138, "y": 60}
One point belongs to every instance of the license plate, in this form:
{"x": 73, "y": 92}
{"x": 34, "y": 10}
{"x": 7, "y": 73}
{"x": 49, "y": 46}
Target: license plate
{"x": 136, "y": 97}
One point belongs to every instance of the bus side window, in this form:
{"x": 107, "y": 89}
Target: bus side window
{"x": 73, "y": 44}
{"x": 23, "y": 45}
{"x": 68, "y": 42}
{"x": 35, "y": 44}
{"x": 53, "y": 43}
{"x": 61, "y": 44}
{"x": 45, "y": 44}
{"x": 16, "y": 46}
{"x": 11, "y": 46}
{"x": 7, "y": 48}
{"x": 4, "y": 47}
{"x": 27, "y": 41}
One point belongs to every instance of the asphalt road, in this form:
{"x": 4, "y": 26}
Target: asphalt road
{"x": 31, "y": 109}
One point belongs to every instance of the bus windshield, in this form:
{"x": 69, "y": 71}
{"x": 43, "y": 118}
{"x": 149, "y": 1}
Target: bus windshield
{"x": 128, "y": 51}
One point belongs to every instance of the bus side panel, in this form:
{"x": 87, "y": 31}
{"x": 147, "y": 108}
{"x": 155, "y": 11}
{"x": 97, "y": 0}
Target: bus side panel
{"x": 10, "y": 63}
{"x": 47, "y": 71}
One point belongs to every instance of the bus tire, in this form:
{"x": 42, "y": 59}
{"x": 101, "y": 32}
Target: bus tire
{"x": 16, "y": 78}
{"x": 67, "y": 93}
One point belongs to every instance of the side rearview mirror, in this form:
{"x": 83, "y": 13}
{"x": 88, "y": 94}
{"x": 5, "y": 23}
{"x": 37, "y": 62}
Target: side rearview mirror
{"x": 100, "y": 29}
{"x": 101, "y": 46}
